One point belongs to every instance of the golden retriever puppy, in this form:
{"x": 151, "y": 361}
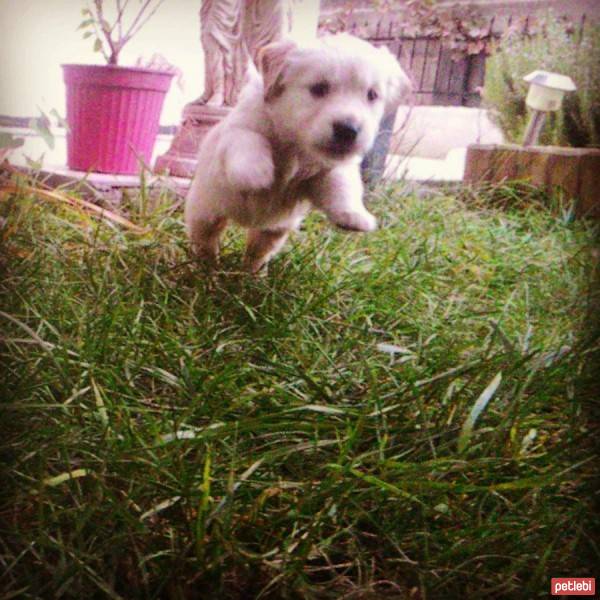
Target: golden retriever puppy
{"x": 294, "y": 141}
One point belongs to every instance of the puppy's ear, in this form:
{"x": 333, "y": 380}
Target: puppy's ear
{"x": 271, "y": 61}
{"x": 398, "y": 85}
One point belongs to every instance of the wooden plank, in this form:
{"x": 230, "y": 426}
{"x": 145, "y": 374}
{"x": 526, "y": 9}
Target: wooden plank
{"x": 575, "y": 171}
{"x": 589, "y": 185}
{"x": 475, "y": 80}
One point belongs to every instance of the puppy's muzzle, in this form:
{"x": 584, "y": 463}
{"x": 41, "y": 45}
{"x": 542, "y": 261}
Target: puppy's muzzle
{"x": 345, "y": 132}
{"x": 343, "y": 136}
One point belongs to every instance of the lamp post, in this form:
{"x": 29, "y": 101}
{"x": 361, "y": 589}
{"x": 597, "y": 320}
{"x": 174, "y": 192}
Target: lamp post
{"x": 546, "y": 92}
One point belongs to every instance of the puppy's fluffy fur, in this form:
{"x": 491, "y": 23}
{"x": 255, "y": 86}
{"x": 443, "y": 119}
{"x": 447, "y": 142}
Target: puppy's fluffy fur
{"x": 294, "y": 141}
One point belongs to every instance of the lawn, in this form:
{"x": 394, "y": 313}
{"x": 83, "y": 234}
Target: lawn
{"x": 406, "y": 414}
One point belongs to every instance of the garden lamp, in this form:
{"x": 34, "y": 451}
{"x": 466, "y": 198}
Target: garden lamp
{"x": 546, "y": 92}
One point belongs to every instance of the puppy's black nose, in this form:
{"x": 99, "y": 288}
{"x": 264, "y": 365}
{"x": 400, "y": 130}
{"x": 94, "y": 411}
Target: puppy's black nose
{"x": 345, "y": 132}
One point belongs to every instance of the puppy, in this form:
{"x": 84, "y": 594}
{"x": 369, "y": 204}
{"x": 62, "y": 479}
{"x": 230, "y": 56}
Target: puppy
{"x": 294, "y": 141}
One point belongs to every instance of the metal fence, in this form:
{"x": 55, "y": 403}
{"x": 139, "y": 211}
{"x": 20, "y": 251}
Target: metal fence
{"x": 437, "y": 77}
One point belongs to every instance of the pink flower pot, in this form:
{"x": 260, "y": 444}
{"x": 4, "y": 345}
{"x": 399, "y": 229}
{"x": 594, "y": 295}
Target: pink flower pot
{"x": 113, "y": 115}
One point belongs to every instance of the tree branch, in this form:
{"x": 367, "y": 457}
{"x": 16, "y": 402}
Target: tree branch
{"x": 119, "y": 19}
{"x": 132, "y": 30}
{"x": 98, "y": 36}
{"x": 137, "y": 18}
{"x": 106, "y": 30}
{"x": 121, "y": 6}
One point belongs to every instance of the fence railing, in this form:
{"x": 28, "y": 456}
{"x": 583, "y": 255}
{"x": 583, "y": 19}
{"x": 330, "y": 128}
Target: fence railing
{"x": 438, "y": 78}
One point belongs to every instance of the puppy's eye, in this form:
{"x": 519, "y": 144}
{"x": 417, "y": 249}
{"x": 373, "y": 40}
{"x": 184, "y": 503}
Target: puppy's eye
{"x": 319, "y": 90}
{"x": 372, "y": 95}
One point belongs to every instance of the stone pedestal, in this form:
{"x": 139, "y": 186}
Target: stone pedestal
{"x": 197, "y": 119}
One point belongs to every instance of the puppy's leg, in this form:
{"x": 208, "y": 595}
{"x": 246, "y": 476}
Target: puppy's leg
{"x": 248, "y": 160}
{"x": 261, "y": 246}
{"x": 338, "y": 193}
{"x": 204, "y": 235}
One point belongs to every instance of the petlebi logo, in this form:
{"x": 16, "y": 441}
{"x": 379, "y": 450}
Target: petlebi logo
{"x": 573, "y": 586}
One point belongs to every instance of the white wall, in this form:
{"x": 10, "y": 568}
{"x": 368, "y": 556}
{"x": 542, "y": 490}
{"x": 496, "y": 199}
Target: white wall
{"x": 36, "y": 36}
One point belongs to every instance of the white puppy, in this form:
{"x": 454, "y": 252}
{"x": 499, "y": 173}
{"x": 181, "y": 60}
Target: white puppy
{"x": 294, "y": 140}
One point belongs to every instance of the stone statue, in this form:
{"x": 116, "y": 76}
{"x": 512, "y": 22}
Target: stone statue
{"x": 221, "y": 23}
{"x": 265, "y": 21}
{"x": 232, "y": 32}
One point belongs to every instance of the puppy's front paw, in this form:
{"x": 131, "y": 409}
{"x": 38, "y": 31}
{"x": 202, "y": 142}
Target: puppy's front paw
{"x": 354, "y": 221}
{"x": 253, "y": 174}
{"x": 206, "y": 255}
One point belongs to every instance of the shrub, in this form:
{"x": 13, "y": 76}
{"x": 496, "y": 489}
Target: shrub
{"x": 554, "y": 48}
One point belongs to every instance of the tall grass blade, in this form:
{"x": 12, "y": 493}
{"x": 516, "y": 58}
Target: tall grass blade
{"x": 478, "y": 408}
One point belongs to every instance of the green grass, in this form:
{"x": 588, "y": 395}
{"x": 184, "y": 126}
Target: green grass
{"x": 223, "y": 436}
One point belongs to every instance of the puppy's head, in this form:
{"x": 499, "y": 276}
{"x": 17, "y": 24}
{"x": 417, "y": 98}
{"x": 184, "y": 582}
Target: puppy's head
{"x": 328, "y": 98}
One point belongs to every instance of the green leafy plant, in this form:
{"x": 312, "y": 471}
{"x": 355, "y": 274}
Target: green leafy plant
{"x": 8, "y": 143}
{"x": 8, "y": 140}
{"x": 41, "y": 125}
{"x": 559, "y": 47}
{"x": 110, "y": 36}
{"x": 463, "y": 30}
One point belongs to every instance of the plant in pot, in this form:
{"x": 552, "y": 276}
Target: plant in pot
{"x": 113, "y": 112}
